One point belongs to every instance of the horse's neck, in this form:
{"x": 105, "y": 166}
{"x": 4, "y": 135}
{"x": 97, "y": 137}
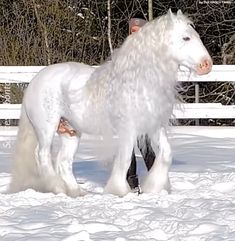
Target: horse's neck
{"x": 99, "y": 73}
{"x": 96, "y": 89}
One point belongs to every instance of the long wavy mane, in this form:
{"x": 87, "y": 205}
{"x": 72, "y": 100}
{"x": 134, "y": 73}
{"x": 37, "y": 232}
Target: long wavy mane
{"x": 139, "y": 81}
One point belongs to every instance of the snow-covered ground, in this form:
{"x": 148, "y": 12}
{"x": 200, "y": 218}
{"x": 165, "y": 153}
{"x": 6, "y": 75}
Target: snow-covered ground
{"x": 200, "y": 207}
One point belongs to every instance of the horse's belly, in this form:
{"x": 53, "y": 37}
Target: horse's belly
{"x": 85, "y": 120}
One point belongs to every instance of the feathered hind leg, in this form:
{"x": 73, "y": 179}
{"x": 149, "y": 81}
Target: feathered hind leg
{"x": 64, "y": 163}
{"x": 32, "y": 167}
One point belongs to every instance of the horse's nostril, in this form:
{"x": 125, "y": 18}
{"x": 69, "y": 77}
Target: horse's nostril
{"x": 204, "y": 67}
{"x": 205, "y": 64}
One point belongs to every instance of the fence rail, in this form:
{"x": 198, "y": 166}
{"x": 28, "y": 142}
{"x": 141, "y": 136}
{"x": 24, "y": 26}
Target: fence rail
{"x": 24, "y": 74}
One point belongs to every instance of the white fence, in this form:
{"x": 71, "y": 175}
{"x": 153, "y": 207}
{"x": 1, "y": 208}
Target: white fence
{"x": 24, "y": 74}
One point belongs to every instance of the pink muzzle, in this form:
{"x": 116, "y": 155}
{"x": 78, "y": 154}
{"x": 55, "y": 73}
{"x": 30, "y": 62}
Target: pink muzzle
{"x": 204, "y": 67}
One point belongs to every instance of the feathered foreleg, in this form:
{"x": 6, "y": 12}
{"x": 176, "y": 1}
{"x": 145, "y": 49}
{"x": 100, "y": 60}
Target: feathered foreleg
{"x": 158, "y": 178}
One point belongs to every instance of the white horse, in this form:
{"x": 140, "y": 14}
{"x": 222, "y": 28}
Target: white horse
{"x": 131, "y": 95}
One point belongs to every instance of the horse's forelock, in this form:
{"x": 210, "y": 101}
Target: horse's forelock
{"x": 179, "y": 17}
{"x": 166, "y": 23}
{"x": 184, "y": 19}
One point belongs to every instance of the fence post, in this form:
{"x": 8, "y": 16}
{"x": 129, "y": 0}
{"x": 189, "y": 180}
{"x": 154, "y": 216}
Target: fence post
{"x": 197, "y": 121}
{"x": 7, "y": 95}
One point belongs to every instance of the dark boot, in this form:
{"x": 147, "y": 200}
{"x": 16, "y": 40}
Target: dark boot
{"x": 132, "y": 177}
{"x": 144, "y": 144}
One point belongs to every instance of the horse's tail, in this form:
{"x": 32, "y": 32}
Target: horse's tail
{"x": 24, "y": 170}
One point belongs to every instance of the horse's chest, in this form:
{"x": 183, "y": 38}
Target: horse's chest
{"x": 150, "y": 108}
{"x": 150, "y": 102}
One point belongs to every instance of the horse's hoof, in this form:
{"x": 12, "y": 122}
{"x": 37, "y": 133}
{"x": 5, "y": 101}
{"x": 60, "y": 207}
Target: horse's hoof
{"x": 156, "y": 187}
{"x": 118, "y": 190}
{"x": 54, "y": 184}
{"x": 78, "y": 192}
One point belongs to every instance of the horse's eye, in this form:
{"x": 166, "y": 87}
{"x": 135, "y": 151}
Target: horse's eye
{"x": 186, "y": 38}
{"x": 192, "y": 25}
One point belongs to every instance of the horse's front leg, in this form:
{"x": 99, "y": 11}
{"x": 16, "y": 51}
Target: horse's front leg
{"x": 117, "y": 183}
{"x": 157, "y": 178}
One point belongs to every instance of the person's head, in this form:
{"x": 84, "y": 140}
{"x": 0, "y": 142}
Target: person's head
{"x": 135, "y": 24}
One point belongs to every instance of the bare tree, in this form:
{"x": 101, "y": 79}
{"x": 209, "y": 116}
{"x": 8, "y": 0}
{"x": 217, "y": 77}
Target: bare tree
{"x": 150, "y": 9}
{"x": 44, "y": 32}
{"x": 109, "y": 25}
{"x": 228, "y": 51}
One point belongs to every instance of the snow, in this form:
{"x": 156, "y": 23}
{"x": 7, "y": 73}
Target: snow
{"x": 200, "y": 207}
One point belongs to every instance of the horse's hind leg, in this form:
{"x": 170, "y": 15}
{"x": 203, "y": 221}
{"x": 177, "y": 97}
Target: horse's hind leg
{"x": 157, "y": 178}
{"x": 50, "y": 180}
{"x": 64, "y": 161}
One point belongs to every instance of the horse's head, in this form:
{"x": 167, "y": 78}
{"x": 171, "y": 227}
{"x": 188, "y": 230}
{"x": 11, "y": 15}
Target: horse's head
{"x": 186, "y": 45}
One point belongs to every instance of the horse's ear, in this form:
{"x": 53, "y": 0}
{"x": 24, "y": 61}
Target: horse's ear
{"x": 170, "y": 14}
{"x": 179, "y": 13}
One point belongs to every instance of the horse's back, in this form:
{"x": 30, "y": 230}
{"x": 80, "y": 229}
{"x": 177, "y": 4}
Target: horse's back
{"x": 62, "y": 73}
{"x": 48, "y": 89}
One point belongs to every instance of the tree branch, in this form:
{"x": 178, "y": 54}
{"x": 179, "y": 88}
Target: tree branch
{"x": 44, "y": 32}
{"x": 109, "y": 26}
